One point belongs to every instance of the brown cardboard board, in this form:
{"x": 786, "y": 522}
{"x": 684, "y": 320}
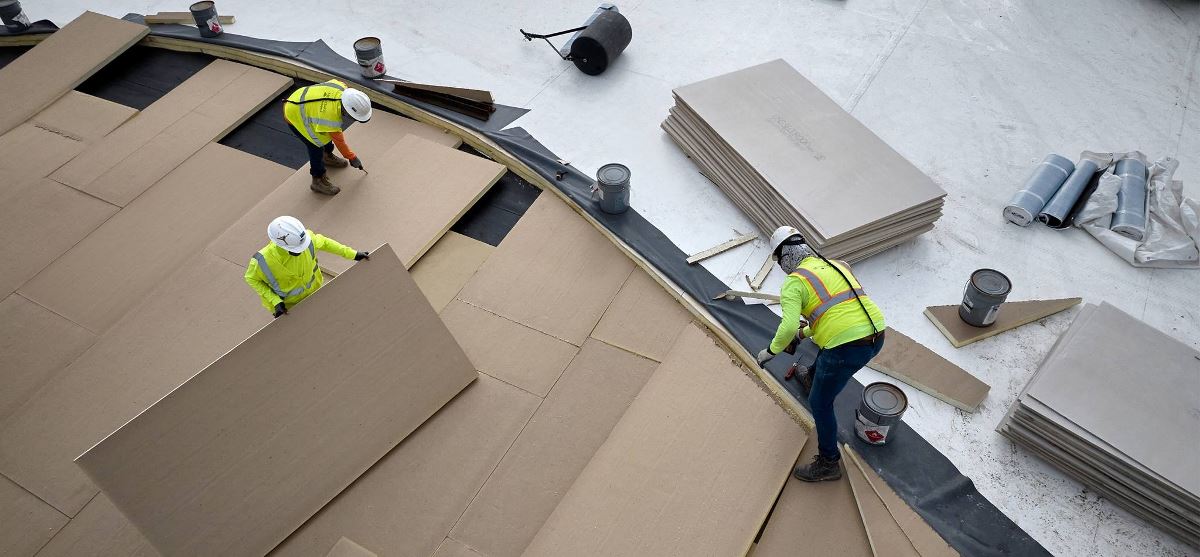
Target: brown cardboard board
{"x": 454, "y": 548}
{"x": 202, "y": 109}
{"x": 99, "y": 530}
{"x": 84, "y": 116}
{"x": 244, "y": 452}
{"x": 913, "y": 363}
{"x": 814, "y": 519}
{"x": 887, "y": 539}
{"x": 692, "y": 468}
{"x": 40, "y": 221}
{"x": 924, "y": 539}
{"x": 561, "y": 438}
{"x": 182, "y": 18}
{"x": 103, "y": 276}
{"x": 407, "y": 503}
{"x": 29, "y": 152}
{"x": 370, "y": 142}
{"x": 191, "y": 319}
{"x": 1010, "y": 316}
{"x": 506, "y": 350}
{"x": 346, "y": 547}
{"x": 26, "y": 523}
{"x": 643, "y": 318}
{"x": 448, "y": 266}
{"x": 35, "y": 344}
{"x": 61, "y": 62}
{"x": 576, "y": 270}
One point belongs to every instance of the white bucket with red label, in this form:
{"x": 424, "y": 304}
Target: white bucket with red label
{"x": 883, "y": 405}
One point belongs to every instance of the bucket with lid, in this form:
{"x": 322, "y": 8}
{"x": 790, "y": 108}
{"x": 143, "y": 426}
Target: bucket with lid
{"x": 369, "y": 53}
{"x": 612, "y": 186}
{"x": 205, "y": 14}
{"x": 883, "y": 404}
{"x": 984, "y": 293}
{"x": 13, "y": 16}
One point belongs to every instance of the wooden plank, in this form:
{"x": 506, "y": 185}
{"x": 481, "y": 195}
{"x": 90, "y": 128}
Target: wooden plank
{"x": 924, "y": 539}
{"x": 60, "y": 62}
{"x": 887, "y": 539}
{"x": 244, "y": 452}
{"x": 642, "y": 319}
{"x": 1010, "y": 316}
{"x": 99, "y": 530}
{"x": 204, "y": 108}
{"x": 345, "y": 547}
{"x": 448, "y": 266}
{"x": 763, "y": 272}
{"x": 559, "y": 441}
{"x": 913, "y": 363}
{"x": 692, "y": 468}
{"x": 35, "y": 344}
{"x": 735, "y": 294}
{"x": 721, "y": 248}
{"x": 183, "y": 18}
{"x": 136, "y": 249}
{"x": 577, "y": 272}
{"x": 26, "y": 523}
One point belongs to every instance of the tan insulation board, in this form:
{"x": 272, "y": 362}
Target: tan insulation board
{"x": 887, "y": 539}
{"x": 29, "y": 152}
{"x": 40, "y": 221}
{"x": 643, "y": 318}
{"x": 576, "y": 269}
{"x": 182, "y": 18}
{"x": 692, "y": 468}
{"x": 244, "y": 452}
{"x": 924, "y": 539}
{"x": 203, "y": 108}
{"x": 107, "y": 273}
{"x": 448, "y": 266}
{"x": 35, "y": 344}
{"x": 454, "y": 548}
{"x": 83, "y": 116}
{"x": 370, "y": 141}
{"x": 407, "y": 503}
{"x": 346, "y": 547}
{"x": 814, "y": 519}
{"x": 61, "y": 62}
{"x": 99, "y": 530}
{"x": 26, "y": 523}
{"x": 191, "y": 319}
{"x": 561, "y": 438}
{"x": 1010, "y": 316}
{"x": 507, "y": 350}
{"x": 913, "y": 363}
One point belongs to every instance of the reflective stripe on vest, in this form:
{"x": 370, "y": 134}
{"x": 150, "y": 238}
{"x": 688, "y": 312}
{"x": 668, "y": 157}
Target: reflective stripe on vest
{"x": 827, "y": 301}
{"x": 274, "y": 284}
{"x": 308, "y": 121}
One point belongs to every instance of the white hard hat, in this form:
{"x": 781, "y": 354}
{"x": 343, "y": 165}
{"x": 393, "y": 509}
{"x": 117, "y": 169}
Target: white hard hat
{"x": 780, "y": 236}
{"x": 289, "y": 234}
{"x": 357, "y": 104}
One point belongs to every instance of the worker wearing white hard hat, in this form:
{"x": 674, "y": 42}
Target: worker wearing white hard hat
{"x": 843, "y": 322}
{"x": 314, "y": 114}
{"x": 285, "y": 271}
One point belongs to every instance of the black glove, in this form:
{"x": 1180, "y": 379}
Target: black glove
{"x": 362, "y": 255}
{"x": 280, "y": 309}
{"x": 356, "y": 163}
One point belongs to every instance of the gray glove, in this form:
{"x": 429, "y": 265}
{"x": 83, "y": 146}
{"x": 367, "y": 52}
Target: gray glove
{"x": 765, "y": 356}
{"x": 356, "y": 163}
{"x": 362, "y": 255}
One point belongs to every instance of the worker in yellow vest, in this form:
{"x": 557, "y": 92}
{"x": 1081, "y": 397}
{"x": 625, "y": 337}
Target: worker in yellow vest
{"x": 314, "y": 114}
{"x": 285, "y": 271}
{"x": 843, "y": 322}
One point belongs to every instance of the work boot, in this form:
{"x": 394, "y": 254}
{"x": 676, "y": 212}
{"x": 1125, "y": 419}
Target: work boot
{"x": 822, "y": 469}
{"x": 322, "y": 185}
{"x": 334, "y": 161}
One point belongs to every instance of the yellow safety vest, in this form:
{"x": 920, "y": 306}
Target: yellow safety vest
{"x": 316, "y": 110}
{"x": 278, "y": 276}
{"x": 829, "y": 303}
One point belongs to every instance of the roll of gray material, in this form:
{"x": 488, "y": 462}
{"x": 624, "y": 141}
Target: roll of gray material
{"x": 1130, "y": 218}
{"x": 1056, "y": 211}
{"x": 1047, "y": 177}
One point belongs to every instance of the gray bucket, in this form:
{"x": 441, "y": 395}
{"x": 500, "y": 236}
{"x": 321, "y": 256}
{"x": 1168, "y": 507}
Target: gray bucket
{"x": 13, "y": 16}
{"x": 369, "y": 52}
{"x": 613, "y": 182}
{"x": 205, "y": 14}
{"x": 987, "y": 289}
{"x": 883, "y": 404}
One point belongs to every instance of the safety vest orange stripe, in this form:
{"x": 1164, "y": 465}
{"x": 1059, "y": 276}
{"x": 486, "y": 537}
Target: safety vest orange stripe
{"x": 826, "y": 300}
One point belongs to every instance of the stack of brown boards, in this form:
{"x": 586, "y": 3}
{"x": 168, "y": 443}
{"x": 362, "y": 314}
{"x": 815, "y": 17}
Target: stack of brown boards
{"x": 1010, "y": 316}
{"x": 922, "y": 537}
{"x": 660, "y": 486}
{"x": 913, "y": 363}
{"x": 787, "y": 154}
{"x": 1114, "y": 405}
{"x": 60, "y": 62}
{"x": 475, "y": 103}
{"x": 204, "y": 108}
{"x": 244, "y": 452}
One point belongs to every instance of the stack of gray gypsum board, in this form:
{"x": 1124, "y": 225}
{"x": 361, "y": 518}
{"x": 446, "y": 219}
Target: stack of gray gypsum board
{"x": 1114, "y": 405}
{"x": 786, "y": 154}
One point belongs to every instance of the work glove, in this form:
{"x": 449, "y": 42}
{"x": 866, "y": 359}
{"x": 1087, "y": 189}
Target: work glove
{"x": 362, "y": 255}
{"x": 280, "y": 309}
{"x": 765, "y": 355}
{"x": 356, "y": 163}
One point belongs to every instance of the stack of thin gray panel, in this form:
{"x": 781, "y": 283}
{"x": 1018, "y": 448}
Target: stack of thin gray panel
{"x": 787, "y": 154}
{"x": 1116, "y": 405}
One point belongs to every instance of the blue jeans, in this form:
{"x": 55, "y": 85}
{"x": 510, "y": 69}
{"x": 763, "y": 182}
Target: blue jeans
{"x": 834, "y": 367}
{"x": 316, "y": 162}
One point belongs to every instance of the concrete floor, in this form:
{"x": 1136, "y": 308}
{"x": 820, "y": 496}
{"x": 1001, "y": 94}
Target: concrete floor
{"x": 972, "y": 92}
